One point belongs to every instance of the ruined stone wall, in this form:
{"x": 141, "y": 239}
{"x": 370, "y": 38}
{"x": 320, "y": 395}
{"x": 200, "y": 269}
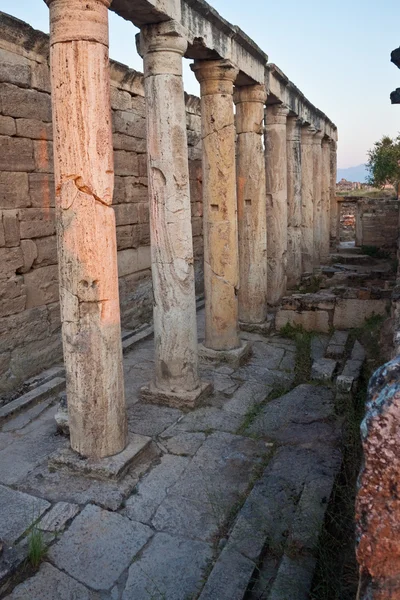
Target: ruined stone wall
{"x": 29, "y": 310}
{"x": 379, "y": 222}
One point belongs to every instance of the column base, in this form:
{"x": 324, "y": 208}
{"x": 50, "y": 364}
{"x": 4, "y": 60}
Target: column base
{"x": 111, "y": 467}
{"x": 235, "y": 357}
{"x": 152, "y": 395}
{"x": 261, "y": 328}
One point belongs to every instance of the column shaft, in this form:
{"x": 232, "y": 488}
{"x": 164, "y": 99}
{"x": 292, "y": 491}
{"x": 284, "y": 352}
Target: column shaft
{"x": 87, "y": 251}
{"x": 221, "y": 268}
{"x": 175, "y": 329}
{"x": 307, "y": 197}
{"x": 326, "y": 193}
{"x": 293, "y": 138}
{"x": 333, "y": 201}
{"x": 317, "y": 199}
{"x": 251, "y": 198}
{"x": 277, "y": 212}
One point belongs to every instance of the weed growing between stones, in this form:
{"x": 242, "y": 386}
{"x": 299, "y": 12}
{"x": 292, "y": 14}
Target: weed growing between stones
{"x": 37, "y": 548}
{"x": 302, "y": 339}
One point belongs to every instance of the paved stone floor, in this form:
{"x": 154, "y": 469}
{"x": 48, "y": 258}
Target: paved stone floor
{"x": 214, "y": 511}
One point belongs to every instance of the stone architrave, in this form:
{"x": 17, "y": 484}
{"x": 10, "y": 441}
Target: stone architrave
{"x": 307, "y": 198}
{"x": 87, "y": 250}
{"x": 221, "y": 263}
{"x": 326, "y": 197}
{"x": 277, "y": 211}
{"x": 317, "y": 200}
{"x": 293, "y": 137}
{"x": 333, "y": 201}
{"x": 251, "y": 198}
{"x": 175, "y": 331}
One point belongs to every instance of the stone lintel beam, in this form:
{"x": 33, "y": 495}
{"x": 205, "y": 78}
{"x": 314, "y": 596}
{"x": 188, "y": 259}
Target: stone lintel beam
{"x": 276, "y": 179}
{"x": 307, "y": 198}
{"x": 87, "y": 249}
{"x": 221, "y": 265}
{"x": 293, "y": 137}
{"x": 251, "y": 198}
{"x": 175, "y": 330}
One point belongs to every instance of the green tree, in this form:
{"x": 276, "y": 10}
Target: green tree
{"x": 384, "y": 163}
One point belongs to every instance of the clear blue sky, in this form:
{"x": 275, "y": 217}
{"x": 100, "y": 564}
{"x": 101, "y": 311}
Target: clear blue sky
{"x": 337, "y": 52}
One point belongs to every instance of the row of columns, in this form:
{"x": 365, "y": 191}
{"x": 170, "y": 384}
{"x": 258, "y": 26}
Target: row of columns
{"x": 247, "y": 190}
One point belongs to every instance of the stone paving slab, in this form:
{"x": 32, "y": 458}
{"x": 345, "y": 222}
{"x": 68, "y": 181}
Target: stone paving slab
{"x": 51, "y": 584}
{"x": 323, "y": 369}
{"x": 184, "y": 443}
{"x": 170, "y": 567}
{"x": 294, "y": 578}
{"x": 58, "y": 516}
{"x": 229, "y": 578}
{"x": 18, "y": 512}
{"x": 249, "y": 395}
{"x": 319, "y": 344}
{"x": 207, "y": 419}
{"x": 151, "y": 420}
{"x": 98, "y": 547}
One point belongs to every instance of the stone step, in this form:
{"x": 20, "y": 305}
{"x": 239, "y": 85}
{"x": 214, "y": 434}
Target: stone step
{"x": 351, "y": 258}
{"x": 50, "y": 388}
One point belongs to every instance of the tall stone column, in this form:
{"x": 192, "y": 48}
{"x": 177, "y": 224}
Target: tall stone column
{"x": 277, "y": 212}
{"x": 333, "y": 202}
{"x": 293, "y": 137}
{"x": 221, "y": 263}
{"x": 87, "y": 251}
{"x": 175, "y": 331}
{"x": 326, "y": 197}
{"x": 317, "y": 201}
{"x": 252, "y": 209}
{"x": 307, "y": 198}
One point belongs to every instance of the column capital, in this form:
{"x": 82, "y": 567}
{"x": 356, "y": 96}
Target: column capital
{"x": 250, "y": 93}
{"x": 293, "y": 129}
{"x": 215, "y": 76}
{"x": 276, "y": 114}
{"x": 75, "y": 21}
{"x": 307, "y": 134}
{"x": 169, "y": 36}
{"x": 317, "y": 139}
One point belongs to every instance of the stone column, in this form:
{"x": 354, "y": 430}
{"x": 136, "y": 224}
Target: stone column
{"x": 176, "y": 381}
{"x": 307, "y": 198}
{"x": 252, "y": 209}
{"x": 293, "y": 137}
{"x": 87, "y": 251}
{"x": 221, "y": 264}
{"x": 333, "y": 202}
{"x": 277, "y": 212}
{"x": 326, "y": 196}
{"x": 317, "y": 200}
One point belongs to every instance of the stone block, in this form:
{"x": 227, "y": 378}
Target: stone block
{"x": 129, "y": 123}
{"x": 126, "y": 214}
{"x": 35, "y": 222}
{"x": 22, "y": 510}
{"x": 41, "y": 77}
{"x": 120, "y": 100}
{"x": 184, "y": 443}
{"x": 139, "y": 106}
{"x": 135, "y": 191}
{"x": 127, "y": 237}
{"x": 144, "y": 258}
{"x": 51, "y": 388}
{"x": 36, "y": 130}
{"x": 335, "y": 351}
{"x": 127, "y": 262}
{"x": 353, "y": 313}
{"x": 43, "y": 154}
{"x": 16, "y": 155}
{"x": 323, "y": 369}
{"x": 23, "y": 328}
{"x": 358, "y": 352}
{"x": 128, "y": 143}
{"x": 41, "y": 190}
{"x": 29, "y": 359}
{"x": 197, "y": 226}
{"x": 14, "y": 68}
{"x": 142, "y": 165}
{"x": 179, "y": 399}
{"x": 11, "y": 228}
{"x": 144, "y": 234}
{"x": 25, "y": 103}
{"x": 46, "y": 251}
{"x": 7, "y": 125}
{"x": 126, "y": 163}
{"x": 11, "y": 259}
{"x": 41, "y": 286}
{"x": 29, "y": 251}
{"x": 317, "y": 320}
{"x": 54, "y": 317}
{"x": 93, "y": 531}
{"x": 119, "y": 195}
{"x": 229, "y": 578}
{"x": 12, "y": 296}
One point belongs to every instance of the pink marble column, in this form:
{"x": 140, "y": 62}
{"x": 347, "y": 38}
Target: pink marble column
{"x": 87, "y": 251}
{"x": 317, "y": 199}
{"x": 307, "y": 198}
{"x": 326, "y": 201}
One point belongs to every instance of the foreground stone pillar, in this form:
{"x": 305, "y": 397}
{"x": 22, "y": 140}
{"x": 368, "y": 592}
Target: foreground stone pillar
{"x": 293, "y": 137}
{"x": 252, "y": 209}
{"x": 221, "y": 264}
{"x": 378, "y": 505}
{"x": 307, "y": 198}
{"x": 87, "y": 251}
{"x": 325, "y": 205}
{"x": 277, "y": 212}
{"x": 333, "y": 202}
{"x": 175, "y": 331}
{"x": 317, "y": 200}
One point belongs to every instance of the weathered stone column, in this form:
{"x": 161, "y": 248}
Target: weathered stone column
{"x": 175, "y": 331}
{"x": 293, "y": 137}
{"x": 87, "y": 251}
{"x": 252, "y": 209}
{"x": 326, "y": 197}
{"x": 317, "y": 200}
{"x": 221, "y": 264}
{"x": 307, "y": 198}
{"x": 333, "y": 202}
{"x": 277, "y": 212}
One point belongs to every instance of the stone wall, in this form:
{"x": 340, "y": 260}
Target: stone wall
{"x": 347, "y": 220}
{"x": 378, "y": 222}
{"x": 29, "y": 310}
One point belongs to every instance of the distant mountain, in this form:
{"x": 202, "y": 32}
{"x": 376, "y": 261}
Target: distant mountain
{"x": 353, "y": 174}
